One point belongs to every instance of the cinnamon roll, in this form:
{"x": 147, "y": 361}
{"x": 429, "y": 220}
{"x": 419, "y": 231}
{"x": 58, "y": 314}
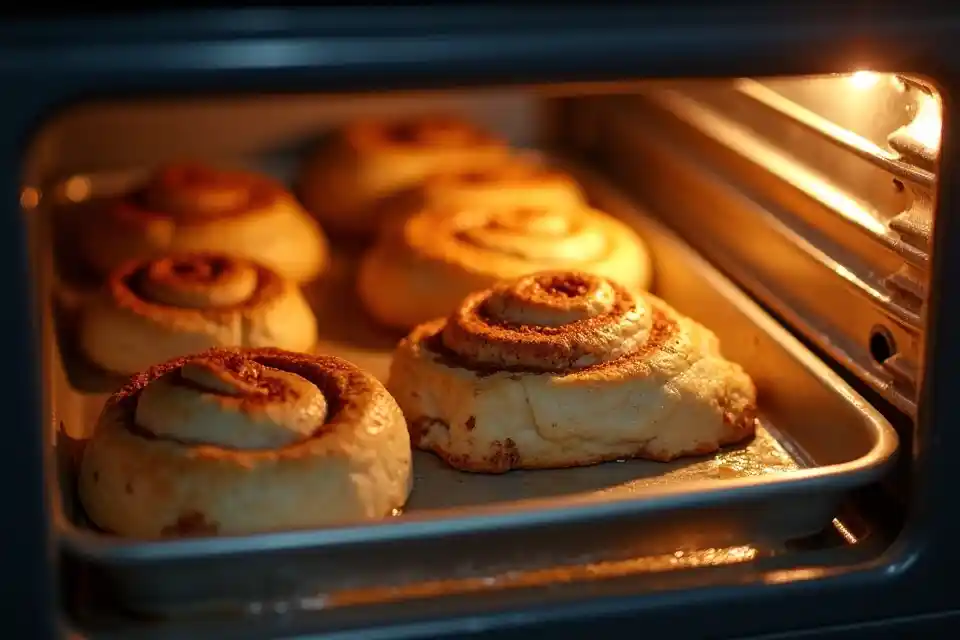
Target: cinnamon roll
{"x": 368, "y": 161}
{"x": 516, "y": 183}
{"x": 562, "y": 369}
{"x": 159, "y": 309}
{"x": 194, "y": 208}
{"x": 423, "y": 265}
{"x": 239, "y": 441}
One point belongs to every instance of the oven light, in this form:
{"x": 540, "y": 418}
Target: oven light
{"x": 864, "y": 79}
{"x": 77, "y": 189}
{"x": 29, "y": 198}
{"x": 926, "y": 125}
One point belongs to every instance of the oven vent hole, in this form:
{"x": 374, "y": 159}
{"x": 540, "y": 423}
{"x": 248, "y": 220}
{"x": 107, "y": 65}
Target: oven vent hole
{"x": 882, "y": 345}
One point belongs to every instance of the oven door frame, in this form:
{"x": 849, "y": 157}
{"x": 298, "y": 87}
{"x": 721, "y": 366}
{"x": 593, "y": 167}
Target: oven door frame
{"x": 53, "y": 63}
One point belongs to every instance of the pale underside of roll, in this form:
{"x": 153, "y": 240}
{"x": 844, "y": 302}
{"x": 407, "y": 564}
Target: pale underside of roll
{"x": 565, "y": 369}
{"x": 245, "y": 441}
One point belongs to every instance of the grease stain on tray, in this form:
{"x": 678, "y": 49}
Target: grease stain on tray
{"x": 438, "y": 486}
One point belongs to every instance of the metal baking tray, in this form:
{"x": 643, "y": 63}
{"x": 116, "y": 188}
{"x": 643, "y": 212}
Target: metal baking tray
{"x": 818, "y": 441}
{"x": 821, "y": 280}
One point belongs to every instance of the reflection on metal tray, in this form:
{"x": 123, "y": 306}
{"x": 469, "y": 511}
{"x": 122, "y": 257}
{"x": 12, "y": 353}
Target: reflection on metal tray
{"x": 820, "y": 441}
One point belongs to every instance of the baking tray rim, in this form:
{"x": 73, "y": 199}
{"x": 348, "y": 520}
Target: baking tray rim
{"x": 523, "y": 514}
{"x": 557, "y": 511}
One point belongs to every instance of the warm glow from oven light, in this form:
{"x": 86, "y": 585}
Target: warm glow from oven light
{"x": 30, "y": 198}
{"x": 927, "y": 124}
{"x": 865, "y": 79}
{"x": 77, "y": 189}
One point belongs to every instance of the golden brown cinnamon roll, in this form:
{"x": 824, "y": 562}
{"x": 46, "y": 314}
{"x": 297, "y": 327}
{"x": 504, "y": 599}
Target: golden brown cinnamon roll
{"x": 244, "y": 441}
{"x": 194, "y": 208}
{"x": 159, "y": 309}
{"x": 367, "y": 161}
{"x": 514, "y": 184}
{"x": 425, "y": 264}
{"x": 561, "y": 369}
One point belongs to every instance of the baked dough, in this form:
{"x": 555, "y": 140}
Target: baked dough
{"x": 424, "y": 264}
{"x": 159, "y": 309}
{"x": 245, "y": 441}
{"x": 186, "y": 208}
{"x": 347, "y": 179}
{"x": 516, "y": 183}
{"x": 563, "y": 369}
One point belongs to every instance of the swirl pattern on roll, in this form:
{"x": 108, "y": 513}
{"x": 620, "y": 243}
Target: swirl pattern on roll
{"x": 566, "y": 368}
{"x": 516, "y": 184}
{"x": 191, "y": 207}
{"x": 432, "y": 132}
{"x": 267, "y": 399}
{"x": 540, "y": 236}
{"x": 548, "y": 322}
{"x": 232, "y": 402}
{"x": 194, "y": 192}
{"x": 178, "y": 304}
{"x": 429, "y": 261}
{"x": 201, "y": 282}
{"x": 252, "y": 440}
{"x": 369, "y": 162}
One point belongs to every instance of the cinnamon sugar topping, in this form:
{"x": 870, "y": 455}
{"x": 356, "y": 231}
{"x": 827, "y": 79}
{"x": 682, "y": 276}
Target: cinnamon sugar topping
{"x": 197, "y": 281}
{"x": 552, "y": 321}
{"x": 193, "y": 283}
{"x": 346, "y": 390}
{"x": 569, "y": 285}
{"x": 195, "y": 193}
{"x": 234, "y": 375}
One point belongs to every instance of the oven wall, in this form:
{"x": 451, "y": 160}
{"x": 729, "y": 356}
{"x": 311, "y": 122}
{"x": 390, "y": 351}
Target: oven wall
{"x": 98, "y": 136}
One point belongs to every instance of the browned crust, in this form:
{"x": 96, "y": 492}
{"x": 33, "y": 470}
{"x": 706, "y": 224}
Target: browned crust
{"x": 345, "y": 386}
{"x": 664, "y": 328}
{"x": 190, "y": 524}
{"x": 554, "y": 349}
{"x": 453, "y": 230}
{"x": 131, "y": 208}
{"x": 124, "y": 287}
{"x": 413, "y": 132}
{"x": 514, "y": 173}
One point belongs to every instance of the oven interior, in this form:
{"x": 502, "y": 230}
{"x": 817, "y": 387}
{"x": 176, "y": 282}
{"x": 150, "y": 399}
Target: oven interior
{"x": 792, "y": 216}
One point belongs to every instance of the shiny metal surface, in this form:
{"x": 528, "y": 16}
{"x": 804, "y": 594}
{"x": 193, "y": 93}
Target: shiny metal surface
{"x": 825, "y": 262}
{"x": 759, "y": 494}
{"x": 766, "y": 93}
